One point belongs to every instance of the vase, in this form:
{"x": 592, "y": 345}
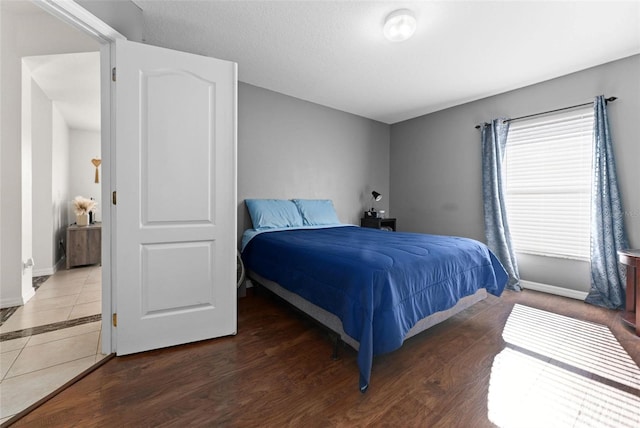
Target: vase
{"x": 82, "y": 219}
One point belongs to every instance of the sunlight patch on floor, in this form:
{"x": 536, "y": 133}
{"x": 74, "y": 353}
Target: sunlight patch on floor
{"x": 584, "y": 345}
{"x": 557, "y": 371}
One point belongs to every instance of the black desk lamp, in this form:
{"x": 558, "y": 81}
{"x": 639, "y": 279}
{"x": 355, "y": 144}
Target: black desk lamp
{"x": 375, "y": 196}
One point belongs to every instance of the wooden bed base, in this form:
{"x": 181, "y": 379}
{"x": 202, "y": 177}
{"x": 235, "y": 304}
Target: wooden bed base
{"x": 332, "y": 322}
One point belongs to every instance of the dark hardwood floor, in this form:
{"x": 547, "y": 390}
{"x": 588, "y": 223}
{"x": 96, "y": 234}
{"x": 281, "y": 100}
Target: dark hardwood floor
{"x": 277, "y": 371}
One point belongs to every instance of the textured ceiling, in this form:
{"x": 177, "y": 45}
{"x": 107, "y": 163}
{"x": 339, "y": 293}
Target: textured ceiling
{"x": 333, "y": 52}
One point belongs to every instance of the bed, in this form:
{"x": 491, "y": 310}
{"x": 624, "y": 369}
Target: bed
{"x": 374, "y": 288}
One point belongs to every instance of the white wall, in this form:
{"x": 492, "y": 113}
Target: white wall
{"x": 48, "y": 178}
{"x": 84, "y": 146}
{"x": 436, "y": 160}
{"x": 60, "y": 195}
{"x": 49, "y": 175}
{"x": 290, "y": 148}
{"x": 11, "y": 251}
{"x": 22, "y": 33}
{"x": 41, "y": 137}
{"x": 1, "y": 105}
{"x": 26, "y": 290}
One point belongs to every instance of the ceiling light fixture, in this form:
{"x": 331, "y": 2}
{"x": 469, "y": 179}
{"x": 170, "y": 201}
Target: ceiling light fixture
{"x": 399, "y": 25}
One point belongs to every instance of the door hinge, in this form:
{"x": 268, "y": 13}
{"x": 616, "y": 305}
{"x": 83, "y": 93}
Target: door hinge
{"x": 113, "y": 74}
{"x": 114, "y": 319}
{"x": 113, "y": 197}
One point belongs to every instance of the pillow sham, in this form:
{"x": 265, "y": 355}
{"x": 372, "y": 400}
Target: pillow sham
{"x": 273, "y": 213}
{"x": 316, "y": 212}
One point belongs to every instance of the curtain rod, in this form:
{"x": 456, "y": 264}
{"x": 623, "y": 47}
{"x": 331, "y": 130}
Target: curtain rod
{"x": 610, "y": 99}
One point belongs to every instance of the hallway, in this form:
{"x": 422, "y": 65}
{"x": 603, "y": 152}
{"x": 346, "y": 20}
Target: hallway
{"x": 51, "y": 339}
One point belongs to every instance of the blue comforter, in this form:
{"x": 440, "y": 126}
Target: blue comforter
{"x": 378, "y": 283}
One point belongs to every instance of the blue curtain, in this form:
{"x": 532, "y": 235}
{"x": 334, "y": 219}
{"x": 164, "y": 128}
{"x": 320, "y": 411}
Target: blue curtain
{"x": 608, "y": 233}
{"x": 494, "y": 143}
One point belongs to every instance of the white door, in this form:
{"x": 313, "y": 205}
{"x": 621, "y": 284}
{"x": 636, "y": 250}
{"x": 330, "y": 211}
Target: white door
{"x": 175, "y": 214}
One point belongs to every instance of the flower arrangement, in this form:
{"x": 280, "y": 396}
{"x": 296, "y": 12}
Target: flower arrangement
{"x": 83, "y": 205}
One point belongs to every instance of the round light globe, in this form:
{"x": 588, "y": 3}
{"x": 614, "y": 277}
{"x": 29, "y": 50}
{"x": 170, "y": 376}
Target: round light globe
{"x": 399, "y": 25}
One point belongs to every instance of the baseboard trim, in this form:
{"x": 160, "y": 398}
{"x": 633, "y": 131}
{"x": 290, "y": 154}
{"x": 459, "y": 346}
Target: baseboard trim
{"x": 43, "y": 272}
{"x": 60, "y": 264}
{"x": 18, "y": 301}
{"x": 9, "y": 303}
{"x": 50, "y": 270}
{"x": 553, "y": 289}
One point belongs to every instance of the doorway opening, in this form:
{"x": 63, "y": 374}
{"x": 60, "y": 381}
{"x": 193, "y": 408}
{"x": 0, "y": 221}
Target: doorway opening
{"x": 56, "y": 334}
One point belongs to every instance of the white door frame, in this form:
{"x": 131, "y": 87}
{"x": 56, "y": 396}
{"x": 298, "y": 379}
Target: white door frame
{"x": 78, "y": 17}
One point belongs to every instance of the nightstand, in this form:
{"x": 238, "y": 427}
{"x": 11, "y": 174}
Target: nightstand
{"x": 84, "y": 245}
{"x": 378, "y": 223}
{"x": 631, "y": 259}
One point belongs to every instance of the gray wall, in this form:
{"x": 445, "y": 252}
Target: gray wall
{"x": 124, "y": 16}
{"x": 290, "y": 148}
{"x": 436, "y": 167}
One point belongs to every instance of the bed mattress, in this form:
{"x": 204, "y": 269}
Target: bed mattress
{"x": 379, "y": 284}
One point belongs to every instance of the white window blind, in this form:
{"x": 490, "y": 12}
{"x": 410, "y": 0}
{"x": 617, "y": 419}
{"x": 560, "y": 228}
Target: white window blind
{"x": 547, "y": 178}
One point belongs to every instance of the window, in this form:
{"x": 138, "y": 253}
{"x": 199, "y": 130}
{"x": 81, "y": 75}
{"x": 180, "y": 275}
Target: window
{"x": 547, "y": 178}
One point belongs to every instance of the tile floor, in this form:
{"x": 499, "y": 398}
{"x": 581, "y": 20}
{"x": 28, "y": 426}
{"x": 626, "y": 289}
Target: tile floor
{"x": 33, "y": 366}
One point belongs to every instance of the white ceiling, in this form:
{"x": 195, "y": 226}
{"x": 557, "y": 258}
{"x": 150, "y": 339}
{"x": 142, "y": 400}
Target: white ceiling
{"x": 72, "y": 82}
{"x": 333, "y": 52}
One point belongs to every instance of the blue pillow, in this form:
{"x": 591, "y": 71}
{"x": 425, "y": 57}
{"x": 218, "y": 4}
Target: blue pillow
{"x": 317, "y": 212}
{"x": 272, "y": 213}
